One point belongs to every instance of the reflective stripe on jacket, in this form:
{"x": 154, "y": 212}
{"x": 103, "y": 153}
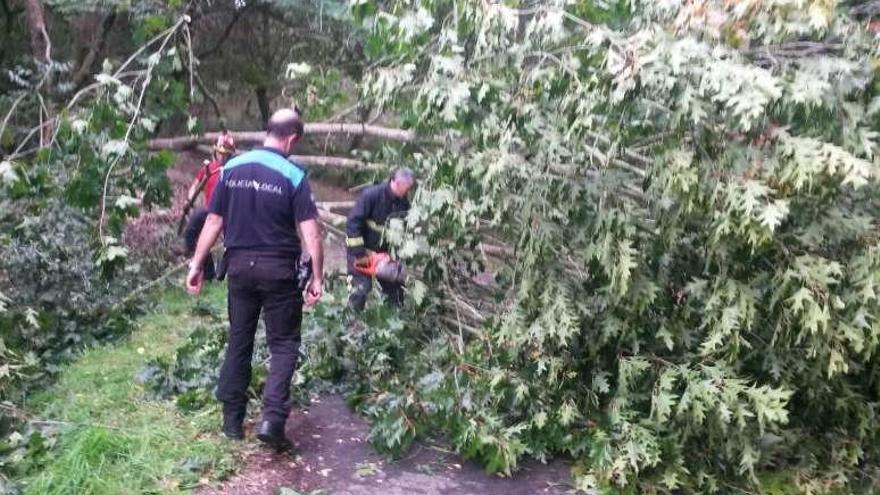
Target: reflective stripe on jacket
{"x": 365, "y": 228}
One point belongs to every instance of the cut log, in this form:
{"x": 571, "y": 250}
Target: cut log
{"x": 330, "y": 205}
{"x": 256, "y": 137}
{"x": 331, "y": 218}
{"x": 333, "y": 222}
{"x": 321, "y": 161}
{"x": 497, "y": 251}
{"x": 334, "y": 161}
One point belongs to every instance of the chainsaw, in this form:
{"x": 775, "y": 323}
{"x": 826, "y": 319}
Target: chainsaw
{"x": 383, "y": 267}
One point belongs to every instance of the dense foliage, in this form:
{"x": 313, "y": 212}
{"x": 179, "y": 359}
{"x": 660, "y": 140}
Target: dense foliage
{"x": 681, "y": 203}
{"x": 73, "y": 173}
{"x": 189, "y": 376}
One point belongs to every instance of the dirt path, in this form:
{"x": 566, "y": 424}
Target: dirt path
{"x": 333, "y": 455}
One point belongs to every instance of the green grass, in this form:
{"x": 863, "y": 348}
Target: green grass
{"x": 114, "y": 438}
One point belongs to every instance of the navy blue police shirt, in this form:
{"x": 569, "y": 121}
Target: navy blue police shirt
{"x": 262, "y": 196}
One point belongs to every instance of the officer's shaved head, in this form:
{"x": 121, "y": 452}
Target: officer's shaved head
{"x": 284, "y": 129}
{"x": 284, "y": 123}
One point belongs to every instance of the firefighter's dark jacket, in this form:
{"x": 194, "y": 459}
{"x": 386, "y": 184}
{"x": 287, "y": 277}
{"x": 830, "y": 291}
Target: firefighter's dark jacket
{"x": 367, "y": 220}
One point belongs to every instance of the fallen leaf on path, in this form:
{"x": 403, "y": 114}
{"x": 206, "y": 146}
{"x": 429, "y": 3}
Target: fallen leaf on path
{"x": 366, "y": 469}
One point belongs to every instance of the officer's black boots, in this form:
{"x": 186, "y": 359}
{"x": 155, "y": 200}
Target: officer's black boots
{"x": 272, "y": 434}
{"x": 232, "y": 424}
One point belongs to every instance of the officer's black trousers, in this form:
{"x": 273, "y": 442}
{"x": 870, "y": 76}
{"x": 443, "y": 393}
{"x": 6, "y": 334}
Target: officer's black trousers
{"x": 362, "y": 284}
{"x": 281, "y": 304}
{"x": 191, "y": 238}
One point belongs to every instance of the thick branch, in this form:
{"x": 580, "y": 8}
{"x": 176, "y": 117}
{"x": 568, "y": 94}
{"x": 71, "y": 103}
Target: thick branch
{"x": 329, "y": 217}
{"x": 628, "y": 154}
{"x": 226, "y": 32}
{"x": 254, "y": 137}
{"x": 97, "y": 46}
{"x": 302, "y": 32}
{"x": 333, "y": 223}
{"x": 208, "y": 96}
{"x": 769, "y": 56}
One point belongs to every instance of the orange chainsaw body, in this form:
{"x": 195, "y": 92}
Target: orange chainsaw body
{"x": 381, "y": 266}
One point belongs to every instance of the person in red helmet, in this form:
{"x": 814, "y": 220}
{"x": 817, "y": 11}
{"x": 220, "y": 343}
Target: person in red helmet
{"x": 206, "y": 181}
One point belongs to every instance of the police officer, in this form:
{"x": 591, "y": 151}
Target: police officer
{"x": 258, "y": 204}
{"x": 365, "y": 233}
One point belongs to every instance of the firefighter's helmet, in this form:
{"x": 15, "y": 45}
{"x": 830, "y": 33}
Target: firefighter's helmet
{"x": 225, "y": 145}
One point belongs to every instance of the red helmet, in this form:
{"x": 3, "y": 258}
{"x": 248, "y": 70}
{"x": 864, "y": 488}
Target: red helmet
{"x": 225, "y": 145}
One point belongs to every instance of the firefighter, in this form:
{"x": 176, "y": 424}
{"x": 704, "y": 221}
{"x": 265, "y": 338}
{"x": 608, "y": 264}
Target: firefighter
{"x": 365, "y": 235}
{"x": 206, "y": 181}
{"x": 262, "y": 200}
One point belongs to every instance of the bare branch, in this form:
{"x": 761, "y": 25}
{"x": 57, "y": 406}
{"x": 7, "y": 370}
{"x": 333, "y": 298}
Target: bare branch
{"x": 470, "y": 329}
{"x": 170, "y": 32}
{"x": 9, "y": 114}
{"x": 226, "y": 32}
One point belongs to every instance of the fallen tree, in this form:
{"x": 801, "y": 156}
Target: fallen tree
{"x": 320, "y": 161}
{"x": 255, "y": 137}
{"x": 685, "y": 244}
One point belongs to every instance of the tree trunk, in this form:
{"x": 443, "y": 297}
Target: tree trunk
{"x": 263, "y": 103}
{"x": 10, "y": 16}
{"x": 40, "y": 45}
